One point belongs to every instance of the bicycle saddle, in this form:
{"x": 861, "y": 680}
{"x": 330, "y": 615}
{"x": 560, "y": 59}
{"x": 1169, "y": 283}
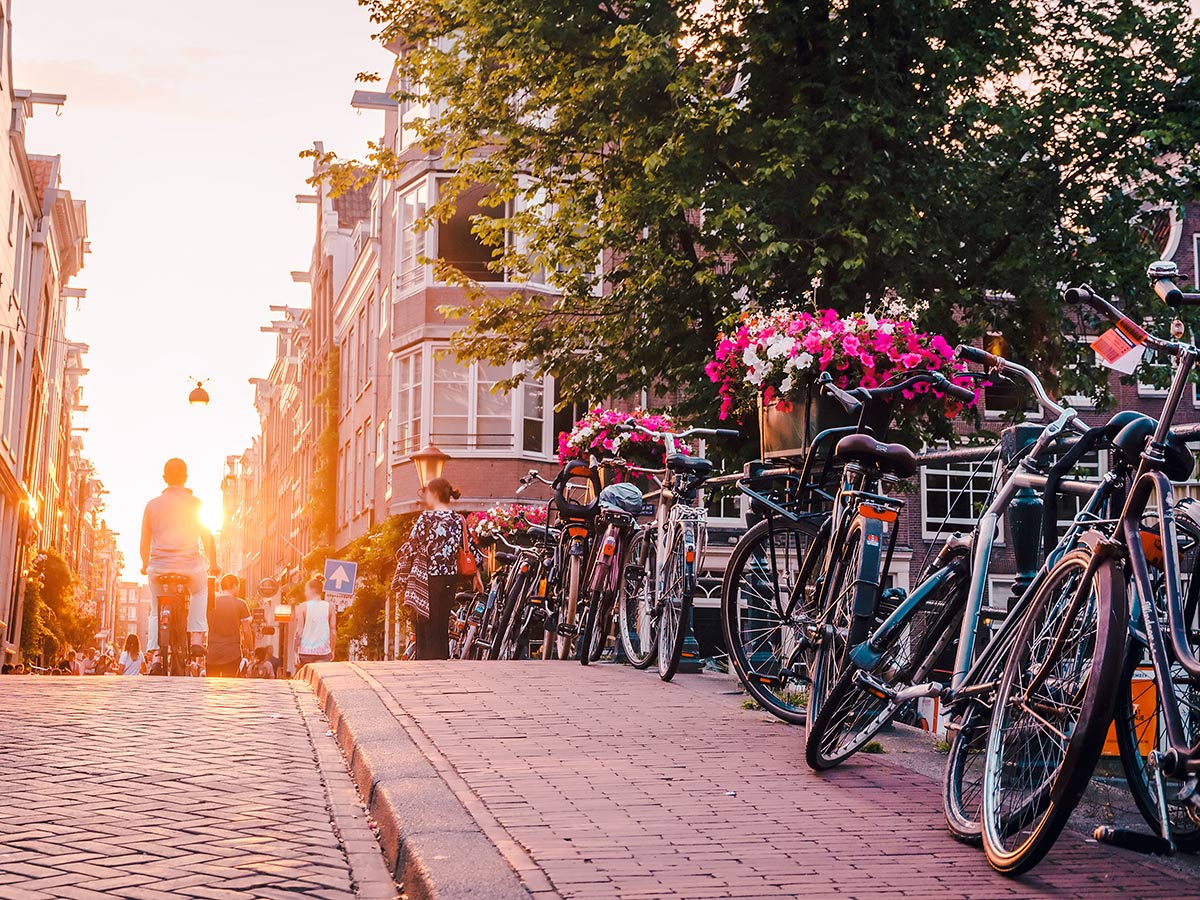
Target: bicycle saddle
{"x": 893, "y": 458}
{"x": 1128, "y": 432}
{"x": 693, "y": 465}
{"x": 505, "y": 559}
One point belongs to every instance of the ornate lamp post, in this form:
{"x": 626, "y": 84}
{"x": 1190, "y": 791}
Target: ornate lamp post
{"x": 430, "y": 461}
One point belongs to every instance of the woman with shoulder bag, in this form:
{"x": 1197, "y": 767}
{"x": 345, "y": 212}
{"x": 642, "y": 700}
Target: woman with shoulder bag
{"x": 430, "y": 564}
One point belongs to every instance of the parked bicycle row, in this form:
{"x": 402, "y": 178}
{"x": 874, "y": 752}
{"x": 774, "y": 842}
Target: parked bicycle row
{"x": 815, "y": 629}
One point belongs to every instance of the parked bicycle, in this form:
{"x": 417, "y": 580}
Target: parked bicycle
{"x": 1055, "y": 698}
{"x": 660, "y": 584}
{"x": 796, "y": 577}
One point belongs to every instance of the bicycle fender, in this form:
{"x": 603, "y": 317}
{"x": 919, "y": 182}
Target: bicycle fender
{"x": 866, "y": 593}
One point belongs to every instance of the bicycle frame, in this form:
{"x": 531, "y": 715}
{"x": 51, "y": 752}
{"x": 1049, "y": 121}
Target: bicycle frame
{"x": 1149, "y": 484}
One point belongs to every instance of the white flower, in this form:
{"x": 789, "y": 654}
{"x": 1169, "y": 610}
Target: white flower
{"x": 786, "y": 384}
{"x": 778, "y": 346}
{"x": 750, "y": 358}
{"x": 887, "y": 328}
{"x": 872, "y": 322}
{"x": 801, "y": 361}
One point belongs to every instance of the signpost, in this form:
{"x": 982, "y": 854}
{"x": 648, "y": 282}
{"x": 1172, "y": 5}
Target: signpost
{"x": 340, "y": 576}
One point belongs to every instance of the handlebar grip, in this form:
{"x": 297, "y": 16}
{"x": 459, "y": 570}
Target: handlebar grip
{"x": 625, "y": 428}
{"x": 727, "y": 432}
{"x": 966, "y": 395}
{"x": 1077, "y": 295}
{"x": 1168, "y": 293}
{"x": 977, "y": 355}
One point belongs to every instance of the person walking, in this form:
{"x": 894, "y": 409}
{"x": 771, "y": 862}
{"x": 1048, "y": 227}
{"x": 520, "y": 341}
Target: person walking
{"x": 131, "y": 662}
{"x": 427, "y": 568}
{"x": 315, "y": 622}
{"x": 228, "y": 630}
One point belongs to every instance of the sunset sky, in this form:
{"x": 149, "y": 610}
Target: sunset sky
{"x": 181, "y": 131}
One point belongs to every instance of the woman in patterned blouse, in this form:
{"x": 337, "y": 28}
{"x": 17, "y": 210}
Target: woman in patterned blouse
{"x": 427, "y": 569}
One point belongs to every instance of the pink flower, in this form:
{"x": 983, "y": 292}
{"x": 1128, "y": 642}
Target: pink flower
{"x": 910, "y": 360}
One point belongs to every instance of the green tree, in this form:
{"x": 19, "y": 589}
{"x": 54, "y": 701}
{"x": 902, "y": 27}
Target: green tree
{"x": 53, "y": 617}
{"x": 375, "y": 553}
{"x": 322, "y": 501}
{"x": 715, "y": 154}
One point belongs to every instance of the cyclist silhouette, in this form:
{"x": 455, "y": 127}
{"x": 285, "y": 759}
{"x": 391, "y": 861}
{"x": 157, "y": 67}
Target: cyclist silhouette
{"x": 175, "y": 541}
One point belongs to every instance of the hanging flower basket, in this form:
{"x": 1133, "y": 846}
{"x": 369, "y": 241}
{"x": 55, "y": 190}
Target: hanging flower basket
{"x": 767, "y": 364}
{"x": 596, "y": 435}
{"x": 506, "y": 520}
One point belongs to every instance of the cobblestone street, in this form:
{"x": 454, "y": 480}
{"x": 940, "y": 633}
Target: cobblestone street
{"x": 150, "y": 788}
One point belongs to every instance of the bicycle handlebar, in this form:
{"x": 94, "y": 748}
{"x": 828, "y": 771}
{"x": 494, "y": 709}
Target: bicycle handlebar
{"x": 1088, "y": 297}
{"x": 1004, "y": 366}
{"x": 853, "y": 399}
{"x": 629, "y": 428}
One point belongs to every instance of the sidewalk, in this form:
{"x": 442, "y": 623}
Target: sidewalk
{"x": 549, "y": 780}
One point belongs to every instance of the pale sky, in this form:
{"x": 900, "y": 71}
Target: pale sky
{"x": 181, "y": 130}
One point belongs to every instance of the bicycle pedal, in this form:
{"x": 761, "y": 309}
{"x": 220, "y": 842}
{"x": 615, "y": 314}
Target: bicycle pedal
{"x": 1137, "y": 841}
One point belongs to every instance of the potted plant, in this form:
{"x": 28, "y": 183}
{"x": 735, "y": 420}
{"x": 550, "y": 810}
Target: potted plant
{"x": 767, "y": 363}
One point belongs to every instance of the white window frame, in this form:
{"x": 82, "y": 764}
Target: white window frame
{"x": 929, "y": 526}
{"x": 515, "y": 450}
{"x": 412, "y": 275}
{"x": 998, "y": 584}
{"x": 1082, "y": 401}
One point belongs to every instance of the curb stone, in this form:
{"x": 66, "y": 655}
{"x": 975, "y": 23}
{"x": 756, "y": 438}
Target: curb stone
{"x": 432, "y": 843}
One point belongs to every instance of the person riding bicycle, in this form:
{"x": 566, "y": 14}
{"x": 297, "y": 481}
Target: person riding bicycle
{"x": 175, "y": 541}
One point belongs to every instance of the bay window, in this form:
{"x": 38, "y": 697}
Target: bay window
{"x": 464, "y": 411}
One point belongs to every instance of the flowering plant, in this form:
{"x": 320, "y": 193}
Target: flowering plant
{"x": 777, "y": 356}
{"x": 504, "y": 520}
{"x": 595, "y": 434}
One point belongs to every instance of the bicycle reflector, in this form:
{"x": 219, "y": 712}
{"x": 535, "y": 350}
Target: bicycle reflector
{"x": 689, "y": 555}
{"x": 1152, "y": 547}
{"x": 609, "y": 547}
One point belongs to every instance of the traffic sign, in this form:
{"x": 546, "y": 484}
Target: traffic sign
{"x": 340, "y": 576}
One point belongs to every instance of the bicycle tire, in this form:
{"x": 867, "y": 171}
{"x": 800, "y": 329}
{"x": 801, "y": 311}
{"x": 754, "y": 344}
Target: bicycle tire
{"x": 636, "y": 618}
{"x": 1131, "y": 734}
{"x": 962, "y": 779}
{"x": 674, "y": 610}
{"x": 1079, "y": 645}
{"x": 772, "y": 560}
{"x": 851, "y": 716}
{"x": 568, "y": 612}
{"x": 514, "y": 592}
{"x": 856, "y": 569}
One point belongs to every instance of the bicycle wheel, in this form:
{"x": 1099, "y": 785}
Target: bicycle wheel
{"x": 513, "y": 595}
{"x": 1052, "y": 709}
{"x": 568, "y": 611}
{"x": 597, "y": 621}
{"x": 766, "y": 603}
{"x": 855, "y": 570}
{"x": 674, "y": 611}
{"x": 637, "y": 621}
{"x": 962, "y": 780}
{"x": 851, "y": 716}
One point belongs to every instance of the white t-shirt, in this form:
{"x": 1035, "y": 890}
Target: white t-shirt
{"x": 315, "y": 639}
{"x": 130, "y": 665}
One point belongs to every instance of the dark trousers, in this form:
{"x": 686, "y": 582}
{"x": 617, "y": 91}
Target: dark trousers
{"x": 433, "y": 634}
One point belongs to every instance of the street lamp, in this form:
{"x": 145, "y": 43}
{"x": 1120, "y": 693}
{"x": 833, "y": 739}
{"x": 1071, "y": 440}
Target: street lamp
{"x": 429, "y": 461}
{"x": 198, "y": 396}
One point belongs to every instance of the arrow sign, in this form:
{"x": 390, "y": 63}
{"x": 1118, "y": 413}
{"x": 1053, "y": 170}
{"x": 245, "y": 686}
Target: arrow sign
{"x": 340, "y": 576}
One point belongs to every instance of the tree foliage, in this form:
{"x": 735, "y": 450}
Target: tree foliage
{"x": 719, "y": 153}
{"x": 375, "y": 553}
{"x": 322, "y": 500}
{"x": 53, "y": 616}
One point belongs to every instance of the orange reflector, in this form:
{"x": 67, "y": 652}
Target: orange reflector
{"x": 1153, "y": 549}
{"x": 610, "y": 546}
{"x": 690, "y": 556}
{"x": 577, "y": 531}
{"x": 883, "y": 515}
{"x": 580, "y": 472}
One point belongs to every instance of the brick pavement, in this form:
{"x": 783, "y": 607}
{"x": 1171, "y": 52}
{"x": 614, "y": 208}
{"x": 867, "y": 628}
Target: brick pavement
{"x": 149, "y": 788}
{"x": 603, "y": 782}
